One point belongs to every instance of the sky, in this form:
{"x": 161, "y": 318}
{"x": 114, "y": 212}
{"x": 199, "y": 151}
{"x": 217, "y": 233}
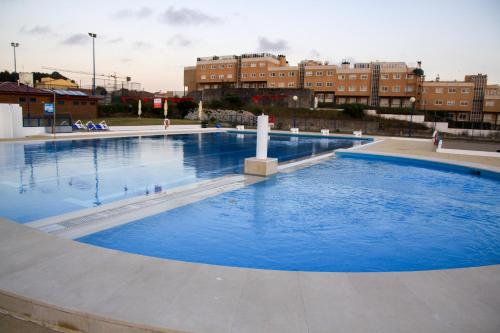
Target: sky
{"x": 152, "y": 41}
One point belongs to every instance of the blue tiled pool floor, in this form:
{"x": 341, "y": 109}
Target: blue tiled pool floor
{"x": 344, "y": 215}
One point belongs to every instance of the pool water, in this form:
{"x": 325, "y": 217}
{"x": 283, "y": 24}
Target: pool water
{"x": 344, "y": 215}
{"x": 39, "y": 180}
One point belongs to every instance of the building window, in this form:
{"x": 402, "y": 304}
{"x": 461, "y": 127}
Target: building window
{"x": 291, "y": 84}
{"x": 384, "y": 89}
{"x": 253, "y": 75}
{"x": 291, "y": 74}
{"x": 213, "y": 76}
{"x": 272, "y": 74}
{"x": 409, "y": 76}
{"x": 396, "y": 89}
{"x": 452, "y": 90}
{"x": 262, "y": 75}
{"x": 319, "y": 84}
{"x": 438, "y": 102}
{"x": 352, "y": 77}
{"x": 341, "y": 77}
{"x": 341, "y": 88}
{"x": 221, "y": 76}
{"x": 329, "y": 84}
{"x": 229, "y": 65}
{"x": 32, "y": 99}
{"x": 384, "y": 76}
{"x": 271, "y": 84}
{"x": 329, "y": 73}
{"x": 396, "y": 76}
{"x": 384, "y": 102}
{"x": 203, "y": 77}
{"x": 352, "y": 88}
{"x": 364, "y": 76}
{"x": 221, "y": 66}
{"x": 281, "y": 74}
{"x": 462, "y": 116}
{"x": 309, "y": 84}
{"x": 363, "y": 88}
{"x": 464, "y": 103}
{"x": 409, "y": 89}
{"x": 229, "y": 76}
{"x": 22, "y": 99}
{"x": 281, "y": 84}
{"x": 465, "y": 90}
{"x": 244, "y": 76}
{"x": 213, "y": 66}
{"x": 244, "y": 65}
{"x": 423, "y": 102}
{"x": 439, "y": 90}
{"x": 450, "y": 103}
{"x": 253, "y": 64}
{"x": 309, "y": 73}
{"x": 319, "y": 73}
{"x": 489, "y": 103}
{"x": 341, "y": 100}
{"x": 262, "y": 64}
{"x": 352, "y": 100}
{"x": 60, "y": 102}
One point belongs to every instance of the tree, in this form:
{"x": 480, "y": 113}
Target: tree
{"x": 7, "y": 76}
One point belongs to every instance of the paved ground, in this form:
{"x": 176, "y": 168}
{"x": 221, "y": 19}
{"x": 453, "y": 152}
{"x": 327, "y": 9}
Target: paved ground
{"x": 472, "y": 145}
{"x": 424, "y": 148}
{"x": 91, "y": 289}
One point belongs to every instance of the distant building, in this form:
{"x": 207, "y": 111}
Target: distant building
{"x": 50, "y": 83}
{"x": 378, "y": 84}
{"x": 32, "y": 100}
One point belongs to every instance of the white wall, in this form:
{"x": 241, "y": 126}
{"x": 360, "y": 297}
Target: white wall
{"x": 11, "y": 123}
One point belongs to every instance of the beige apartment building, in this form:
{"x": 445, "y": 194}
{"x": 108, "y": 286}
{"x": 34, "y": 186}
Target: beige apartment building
{"x": 383, "y": 84}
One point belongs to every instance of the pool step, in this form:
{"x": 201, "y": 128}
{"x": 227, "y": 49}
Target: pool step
{"x": 84, "y": 222}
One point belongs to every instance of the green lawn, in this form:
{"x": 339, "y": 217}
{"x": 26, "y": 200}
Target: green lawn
{"x": 134, "y": 121}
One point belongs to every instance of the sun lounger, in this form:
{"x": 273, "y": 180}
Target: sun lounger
{"x": 104, "y": 126}
{"x": 77, "y": 125}
{"x": 91, "y": 126}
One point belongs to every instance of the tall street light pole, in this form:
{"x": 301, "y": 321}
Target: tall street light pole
{"x": 93, "y": 36}
{"x": 14, "y": 45}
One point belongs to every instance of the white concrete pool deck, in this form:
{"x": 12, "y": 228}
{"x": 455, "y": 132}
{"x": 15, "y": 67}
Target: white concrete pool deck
{"x": 61, "y": 285}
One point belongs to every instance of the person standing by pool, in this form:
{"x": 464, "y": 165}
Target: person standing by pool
{"x": 166, "y": 123}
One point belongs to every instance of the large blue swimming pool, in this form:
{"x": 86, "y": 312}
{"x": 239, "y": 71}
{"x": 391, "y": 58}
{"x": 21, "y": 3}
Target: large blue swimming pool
{"x": 39, "y": 180}
{"x": 344, "y": 215}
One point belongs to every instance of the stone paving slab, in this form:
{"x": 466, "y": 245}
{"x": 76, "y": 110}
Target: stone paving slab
{"x": 166, "y": 294}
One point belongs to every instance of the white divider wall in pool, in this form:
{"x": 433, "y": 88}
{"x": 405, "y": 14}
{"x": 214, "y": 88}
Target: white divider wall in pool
{"x": 261, "y": 165}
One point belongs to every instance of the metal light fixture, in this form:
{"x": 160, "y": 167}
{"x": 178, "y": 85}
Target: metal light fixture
{"x": 14, "y": 45}
{"x": 93, "y": 36}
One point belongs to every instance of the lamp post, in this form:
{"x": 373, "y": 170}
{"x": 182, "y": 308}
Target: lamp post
{"x": 412, "y": 101}
{"x": 14, "y": 45}
{"x": 93, "y": 36}
{"x": 295, "y": 98}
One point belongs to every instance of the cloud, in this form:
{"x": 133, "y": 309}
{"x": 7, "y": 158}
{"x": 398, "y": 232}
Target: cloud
{"x": 141, "y": 45}
{"x": 76, "y": 39}
{"x": 179, "y": 40}
{"x": 140, "y": 13}
{"x": 314, "y": 54}
{"x": 115, "y": 40}
{"x": 268, "y": 45}
{"x": 36, "y": 30}
{"x": 186, "y": 16}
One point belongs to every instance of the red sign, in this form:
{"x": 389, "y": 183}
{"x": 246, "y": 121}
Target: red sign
{"x": 157, "y": 103}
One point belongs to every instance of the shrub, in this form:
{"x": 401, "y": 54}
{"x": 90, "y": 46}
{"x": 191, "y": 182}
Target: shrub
{"x": 354, "y": 110}
{"x": 215, "y": 104}
{"x": 233, "y": 101}
{"x": 184, "y": 107}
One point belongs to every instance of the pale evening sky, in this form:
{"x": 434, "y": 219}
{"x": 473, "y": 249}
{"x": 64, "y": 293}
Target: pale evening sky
{"x": 152, "y": 41}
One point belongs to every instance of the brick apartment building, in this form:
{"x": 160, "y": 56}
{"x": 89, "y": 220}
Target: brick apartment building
{"x": 384, "y": 84}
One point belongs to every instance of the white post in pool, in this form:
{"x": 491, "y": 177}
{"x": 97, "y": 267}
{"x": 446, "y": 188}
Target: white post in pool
{"x": 261, "y": 165}
{"x": 262, "y": 134}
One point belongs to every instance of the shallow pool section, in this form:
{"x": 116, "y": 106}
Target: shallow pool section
{"x": 39, "y": 180}
{"x": 344, "y": 215}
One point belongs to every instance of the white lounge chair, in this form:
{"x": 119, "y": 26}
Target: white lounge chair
{"x": 104, "y": 126}
{"x": 77, "y": 125}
